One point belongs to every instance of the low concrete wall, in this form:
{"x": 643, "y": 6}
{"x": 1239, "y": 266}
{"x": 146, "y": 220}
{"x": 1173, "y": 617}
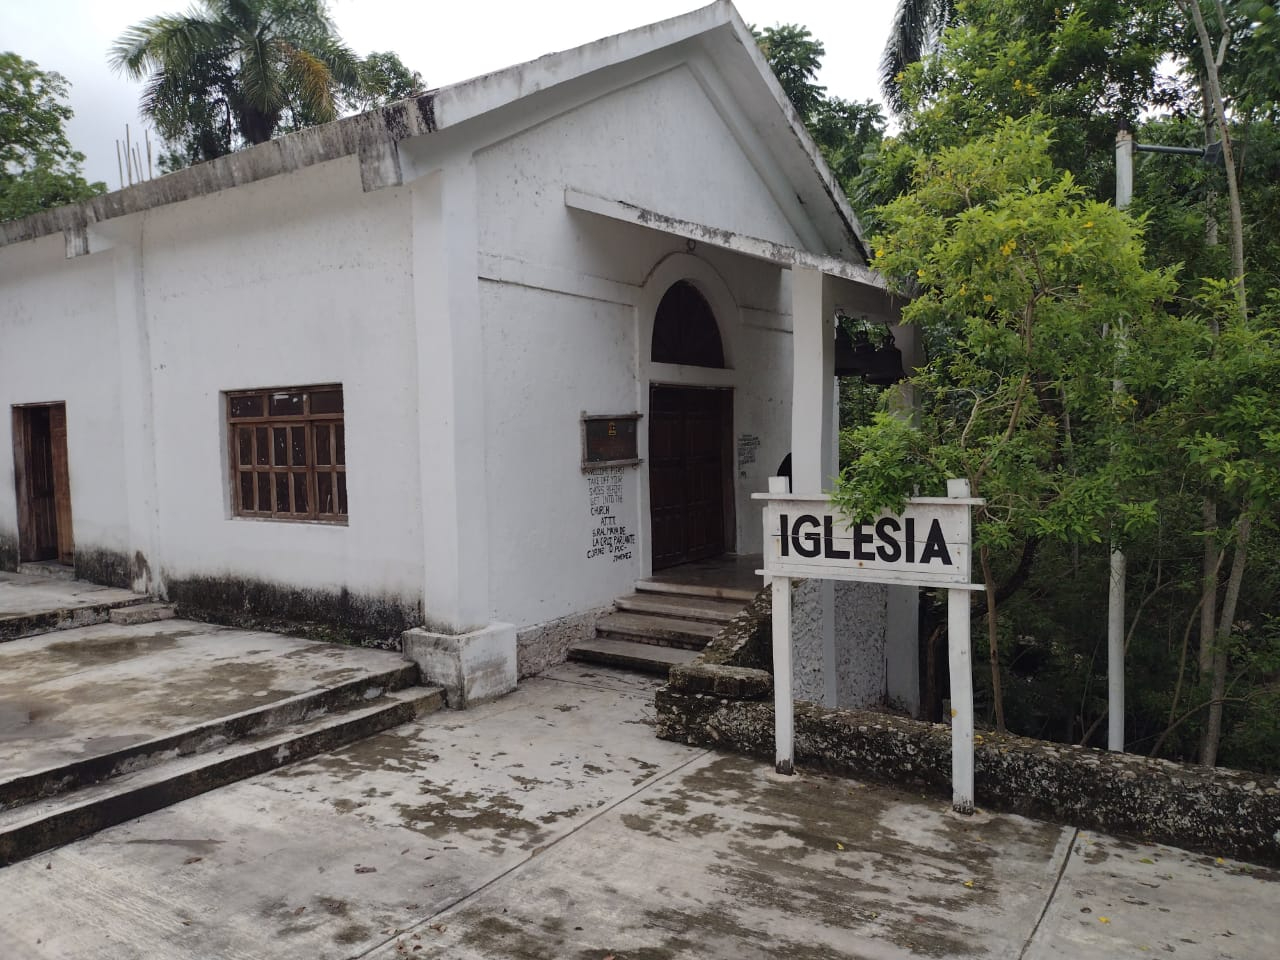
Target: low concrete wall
{"x": 545, "y": 645}
{"x": 725, "y": 701}
{"x": 335, "y": 615}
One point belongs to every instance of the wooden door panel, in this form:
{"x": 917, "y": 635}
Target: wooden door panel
{"x": 40, "y": 483}
{"x": 686, "y": 474}
{"x": 61, "y": 482}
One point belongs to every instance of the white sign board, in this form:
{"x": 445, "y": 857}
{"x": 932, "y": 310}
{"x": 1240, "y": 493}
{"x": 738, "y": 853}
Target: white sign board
{"x": 927, "y": 545}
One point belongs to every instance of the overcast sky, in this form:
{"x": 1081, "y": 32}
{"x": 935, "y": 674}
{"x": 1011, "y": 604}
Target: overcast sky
{"x": 444, "y": 42}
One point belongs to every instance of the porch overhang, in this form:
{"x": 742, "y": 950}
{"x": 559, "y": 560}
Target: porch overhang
{"x": 768, "y": 250}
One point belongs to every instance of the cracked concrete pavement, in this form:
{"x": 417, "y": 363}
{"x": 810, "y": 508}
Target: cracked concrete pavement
{"x": 553, "y": 824}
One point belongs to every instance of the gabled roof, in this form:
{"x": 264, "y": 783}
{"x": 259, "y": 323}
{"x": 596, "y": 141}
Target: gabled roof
{"x": 717, "y": 31}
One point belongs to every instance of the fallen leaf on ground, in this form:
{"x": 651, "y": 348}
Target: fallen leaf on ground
{"x": 969, "y": 884}
{"x": 366, "y": 869}
{"x": 1104, "y": 919}
{"x": 839, "y": 845}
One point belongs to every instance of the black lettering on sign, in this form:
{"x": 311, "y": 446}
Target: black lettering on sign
{"x": 813, "y": 541}
{"x": 862, "y": 543}
{"x": 935, "y": 544}
{"x": 888, "y": 540}
{"x": 888, "y": 550}
{"x": 829, "y": 541}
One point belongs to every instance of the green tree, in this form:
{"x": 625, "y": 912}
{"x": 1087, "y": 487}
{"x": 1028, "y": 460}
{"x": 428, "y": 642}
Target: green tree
{"x": 384, "y": 79}
{"x": 1016, "y": 274}
{"x": 233, "y": 71}
{"x": 917, "y": 28}
{"x": 844, "y": 130}
{"x": 1190, "y": 455}
{"x": 38, "y": 168}
{"x": 1083, "y": 65}
{"x": 795, "y": 57}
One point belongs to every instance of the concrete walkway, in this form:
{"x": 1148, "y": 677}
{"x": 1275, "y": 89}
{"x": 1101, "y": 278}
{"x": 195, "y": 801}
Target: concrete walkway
{"x": 552, "y": 824}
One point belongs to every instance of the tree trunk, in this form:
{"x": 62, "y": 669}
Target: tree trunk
{"x": 1191, "y": 8}
{"x": 1209, "y": 585}
{"x": 1213, "y": 728}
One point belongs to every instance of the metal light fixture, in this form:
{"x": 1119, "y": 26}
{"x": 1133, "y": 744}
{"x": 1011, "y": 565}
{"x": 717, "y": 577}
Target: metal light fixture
{"x": 857, "y": 356}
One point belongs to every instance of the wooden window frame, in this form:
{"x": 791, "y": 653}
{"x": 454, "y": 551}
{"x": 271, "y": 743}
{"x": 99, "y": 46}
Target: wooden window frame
{"x": 302, "y": 480}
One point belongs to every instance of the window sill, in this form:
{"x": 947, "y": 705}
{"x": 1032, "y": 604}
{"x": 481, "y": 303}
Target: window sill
{"x": 293, "y": 520}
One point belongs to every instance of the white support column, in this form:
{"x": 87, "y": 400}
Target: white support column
{"x": 1115, "y": 653}
{"x": 137, "y": 414}
{"x": 450, "y": 399}
{"x": 783, "y": 696}
{"x": 960, "y": 662}
{"x": 813, "y": 382}
{"x": 813, "y": 429}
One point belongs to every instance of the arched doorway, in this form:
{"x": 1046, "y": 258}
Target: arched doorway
{"x": 690, "y": 435}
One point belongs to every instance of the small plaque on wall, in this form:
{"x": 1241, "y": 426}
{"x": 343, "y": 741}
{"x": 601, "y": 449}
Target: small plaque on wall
{"x": 609, "y": 440}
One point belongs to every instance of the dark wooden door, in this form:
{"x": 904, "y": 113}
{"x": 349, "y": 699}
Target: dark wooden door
{"x": 43, "y": 483}
{"x": 688, "y": 438}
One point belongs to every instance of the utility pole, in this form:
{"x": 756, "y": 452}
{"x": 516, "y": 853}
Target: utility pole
{"x": 1126, "y": 147}
{"x": 1116, "y": 592}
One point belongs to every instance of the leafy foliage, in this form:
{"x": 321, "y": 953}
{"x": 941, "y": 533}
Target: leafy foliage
{"x": 1017, "y": 275}
{"x": 1182, "y": 464}
{"x": 844, "y": 130}
{"x": 236, "y": 72}
{"x": 38, "y": 168}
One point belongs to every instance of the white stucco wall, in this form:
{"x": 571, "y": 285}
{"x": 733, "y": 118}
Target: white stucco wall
{"x": 567, "y": 301}
{"x": 58, "y": 343}
{"x": 294, "y": 281}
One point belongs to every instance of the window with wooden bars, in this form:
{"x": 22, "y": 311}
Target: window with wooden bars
{"x": 288, "y": 453}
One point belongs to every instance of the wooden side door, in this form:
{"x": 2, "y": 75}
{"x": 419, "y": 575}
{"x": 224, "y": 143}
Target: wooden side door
{"x": 42, "y": 482}
{"x": 687, "y": 473}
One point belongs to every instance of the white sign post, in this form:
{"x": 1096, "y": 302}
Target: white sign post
{"x": 927, "y": 545}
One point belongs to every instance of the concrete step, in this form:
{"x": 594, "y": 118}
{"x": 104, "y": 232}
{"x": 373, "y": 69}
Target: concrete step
{"x": 652, "y": 629}
{"x": 51, "y": 822}
{"x": 742, "y": 594}
{"x": 50, "y": 569}
{"x": 203, "y": 737}
{"x": 685, "y": 608}
{"x": 19, "y": 625}
{"x": 645, "y": 657}
{"x": 143, "y": 613}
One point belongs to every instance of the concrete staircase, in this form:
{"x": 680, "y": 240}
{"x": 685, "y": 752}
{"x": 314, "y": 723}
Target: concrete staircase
{"x": 45, "y": 808}
{"x": 661, "y": 625}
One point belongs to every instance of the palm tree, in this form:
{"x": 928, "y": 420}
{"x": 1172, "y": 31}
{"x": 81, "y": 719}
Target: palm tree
{"x": 229, "y": 71}
{"x": 917, "y": 25}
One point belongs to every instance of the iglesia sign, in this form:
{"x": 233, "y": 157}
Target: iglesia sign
{"x": 927, "y": 545}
